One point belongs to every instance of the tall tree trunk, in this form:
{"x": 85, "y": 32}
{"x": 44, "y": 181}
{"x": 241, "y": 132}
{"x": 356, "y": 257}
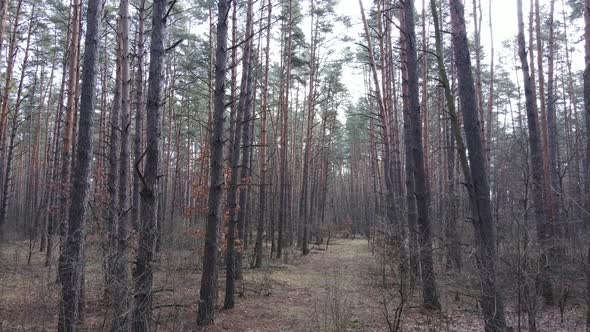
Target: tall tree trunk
{"x": 424, "y": 100}
{"x": 52, "y": 213}
{"x": 422, "y": 191}
{"x": 263, "y": 145}
{"x": 587, "y": 160}
{"x": 148, "y": 228}
{"x": 6, "y": 159}
{"x": 477, "y": 18}
{"x": 68, "y": 134}
{"x": 45, "y": 166}
{"x": 71, "y": 263}
{"x": 384, "y": 117}
{"x": 456, "y": 140}
{"x": 166, "y": 224}
{"x": 137, "y": 139}
{"x": 209, "y": 277}
{"x": 120, "y": 273}
{"x": 10, "y": 59}
{"x": 411, "y": 207}
{"x": 3, "y": 20}
{"x": 491, "y": 302}
{"x": 552, "y": 138}
{"x": 236, "y": 170}
{"x": 539, "y": 183}
{"x": 234, "y": 84}
{"x": 576, "y": 174}
{"x": 15, "y": 120}
{"x": 544, "y": 130}
{"x": 304, "y": 214}
{"x": 284, "y": 176}
{"x": 245, "y": 175}
{"x": 112, "y": 180}
{"x": 491, "y": 95}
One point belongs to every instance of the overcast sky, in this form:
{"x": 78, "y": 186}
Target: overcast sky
{"x": 504, "y": 28}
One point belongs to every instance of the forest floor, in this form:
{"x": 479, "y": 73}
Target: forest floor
{"x": 333, "y": 289}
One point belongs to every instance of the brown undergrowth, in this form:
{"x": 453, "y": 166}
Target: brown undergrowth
{"x": 330, "y": 290}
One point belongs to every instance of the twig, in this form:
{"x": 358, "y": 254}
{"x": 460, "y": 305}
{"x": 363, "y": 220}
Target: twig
{"x": 171, "y": 306}
{"x": 137, "y": 168}
{"x": 173, "y": 45}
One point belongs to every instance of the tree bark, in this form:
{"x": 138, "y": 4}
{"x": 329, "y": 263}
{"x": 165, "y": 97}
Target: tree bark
{"x": 112, "y": 215}
{"x": 71, "y": 263}
{"x": 491, "y": 302}
{"x": 478, "y": 84}
{"x": 236, "y": 170}
{"x": 424, "y": 98}
{"x": 148, "y": 228}
{"x": 245, "y": 175}
{"x": 15, "y": 123}
{"x": 422, "y": 191}
{"x": 209, "y": 277}
{"x": 52, "y": 213}
{"x": 11, "y": 59}
{"x": 304, "y": 214}
{"x": 387, "y": 158}
{"x": 587, "y": 160}
{"x": 491, "y": 95}
{"x": 412, "y": 212}
{"x": 552, "y": 138}
{"x": 139, "y": 107}
{"x": 284, "y": 176}
{"x": 263, "y": 146}
{"x": 456, "y": 143}
{"x": 538, "y": 174}
{"x": 120, "y": 273}
{"x": 74, "y": 58}
{"x": 544, "y": 127}
{"x": 7, "y": 159}
{"x": 3, "y": 20}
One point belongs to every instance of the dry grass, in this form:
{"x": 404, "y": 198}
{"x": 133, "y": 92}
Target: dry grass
{"x": 329, "y": 290}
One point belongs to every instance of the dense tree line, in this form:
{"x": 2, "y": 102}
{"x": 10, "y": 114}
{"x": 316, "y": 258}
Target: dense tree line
{"x": 133, "y": 129}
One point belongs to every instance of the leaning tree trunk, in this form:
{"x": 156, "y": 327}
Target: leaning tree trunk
{"x": 421, "y": 188}
{"x": 387, "y": 160}
{"x": 456, "y": 140}
{"x": 71, "y": 263}
{"x": 209, "y": 277}
{"x": 491, "y": 302}
{"x": 148, "y": 229}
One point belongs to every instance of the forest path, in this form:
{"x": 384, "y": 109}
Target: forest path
{"x": 328, "y": 290}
